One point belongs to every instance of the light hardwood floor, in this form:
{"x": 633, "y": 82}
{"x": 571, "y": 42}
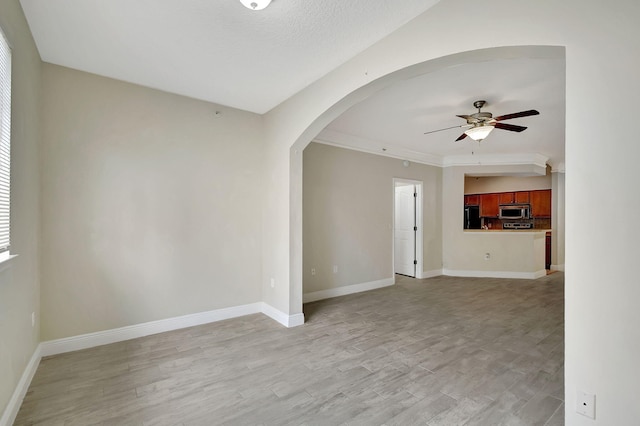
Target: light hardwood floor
{"x": 440, "y": 351}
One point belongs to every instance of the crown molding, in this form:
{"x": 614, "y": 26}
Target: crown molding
{"x": 533, "y": 159}
{"x": 558, "y": 168}
{"x": 357, "y": 143}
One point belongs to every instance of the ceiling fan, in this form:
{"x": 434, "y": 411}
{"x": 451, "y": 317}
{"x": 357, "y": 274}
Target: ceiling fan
{"x": 480, "y": 124}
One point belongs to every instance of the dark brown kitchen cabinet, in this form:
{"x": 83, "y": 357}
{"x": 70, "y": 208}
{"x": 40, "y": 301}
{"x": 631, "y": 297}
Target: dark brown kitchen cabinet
{"x": 472, "y": 200}
{"x": 489, "y": 205}
{"x": 521, "y": 197}
{"x": 506, "y": 197}
{"x": 540, "y": 203}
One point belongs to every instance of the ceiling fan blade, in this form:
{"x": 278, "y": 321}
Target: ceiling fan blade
{"x": 510, "y": 127}
{"x": 517, "y": 115}
{"x": 448, "y": 128}
{"x": 466, "y": 117}
{"x": 462, "y": 136}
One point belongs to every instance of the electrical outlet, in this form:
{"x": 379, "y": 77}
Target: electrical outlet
{"x": 273, "y": 282}
{"x": 487, "y": 256}
{"x": 586, "y": 404}
{"x": 313, "y": 271}
{"x": 335, "y": 269}
{"x": 33, "y": 319}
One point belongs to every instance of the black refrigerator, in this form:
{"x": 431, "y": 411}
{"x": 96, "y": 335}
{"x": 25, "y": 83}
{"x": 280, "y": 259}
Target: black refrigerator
{"x": 472, "y": 217}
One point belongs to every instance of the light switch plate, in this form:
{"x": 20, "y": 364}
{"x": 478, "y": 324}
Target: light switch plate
{"x": 586, "y": 404}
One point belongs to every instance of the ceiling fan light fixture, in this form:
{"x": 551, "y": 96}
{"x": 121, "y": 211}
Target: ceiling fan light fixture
{"x": 478, "y": 133}
{"x": 255, "y": 4}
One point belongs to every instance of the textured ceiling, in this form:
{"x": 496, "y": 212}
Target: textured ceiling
{"x": 214, "y": 50}
{"x": 221, "y": 52}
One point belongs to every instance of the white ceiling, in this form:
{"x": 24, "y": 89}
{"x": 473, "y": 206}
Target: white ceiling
{"x": 393, "y": 121}
{"x": 214, "y": 50}
{"x": 222, "y": 52}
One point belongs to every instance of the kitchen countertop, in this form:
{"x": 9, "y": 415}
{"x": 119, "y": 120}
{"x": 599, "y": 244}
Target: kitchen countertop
{"x": 518, "y": 231}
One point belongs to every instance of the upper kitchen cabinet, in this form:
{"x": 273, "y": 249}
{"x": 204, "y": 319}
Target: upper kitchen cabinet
{"x": 489, "y": 205}
{"x": 506, "y": 197}
{"x": 540, "y": 203}
{"x": 521, "y": 197}
{"x": 472, "y": 200}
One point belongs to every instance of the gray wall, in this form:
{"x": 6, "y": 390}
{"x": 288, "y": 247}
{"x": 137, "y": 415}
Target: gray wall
{"x": 19, "y": 287}
{"x": 348, "y": 215}
{"x": 150, "y": 202}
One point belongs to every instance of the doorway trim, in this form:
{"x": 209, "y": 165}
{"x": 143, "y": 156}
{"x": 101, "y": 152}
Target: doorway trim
{"x": 419, "y": 224}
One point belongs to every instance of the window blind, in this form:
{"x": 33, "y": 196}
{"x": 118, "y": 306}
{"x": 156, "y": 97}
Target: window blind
{"x": 5, "y": 142}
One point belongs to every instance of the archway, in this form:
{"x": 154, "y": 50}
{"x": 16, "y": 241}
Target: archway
{"x": 295, "y": 223}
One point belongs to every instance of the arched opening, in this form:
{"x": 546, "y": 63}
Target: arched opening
{"x": 314, "y": 128}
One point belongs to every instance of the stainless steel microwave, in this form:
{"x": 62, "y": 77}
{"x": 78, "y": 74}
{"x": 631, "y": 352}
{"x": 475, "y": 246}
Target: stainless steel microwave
{"x": 515, "y": 211}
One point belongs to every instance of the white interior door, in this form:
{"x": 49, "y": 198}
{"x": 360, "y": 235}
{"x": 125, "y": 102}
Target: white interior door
{"x": 405, "y": 230}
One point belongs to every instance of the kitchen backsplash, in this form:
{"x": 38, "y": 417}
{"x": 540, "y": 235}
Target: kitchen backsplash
{"x": 542, "y": 223}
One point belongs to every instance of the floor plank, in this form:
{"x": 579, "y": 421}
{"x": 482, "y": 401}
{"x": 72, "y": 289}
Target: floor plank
{"x": 436, "y": 351}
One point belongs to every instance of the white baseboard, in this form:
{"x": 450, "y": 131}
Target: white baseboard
{"x": 279, "y": 316}
{"x": 349, "y": 289}
{"x": 432, "y": 273}
{"x": 11, "y": 411}
{"x": 540, "y": 273}
{"x": 557, "y": 267}
{"x": 495, "y": 274}
{"x": 90, "y": 340}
